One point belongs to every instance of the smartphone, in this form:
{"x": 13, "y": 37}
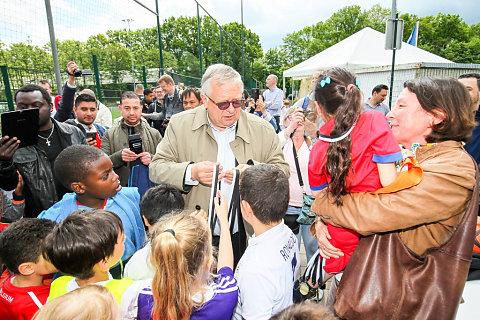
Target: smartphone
{"x": 22, "y": 124}
{"x": 255, "y": 94}
{"x": 92, "y": 135}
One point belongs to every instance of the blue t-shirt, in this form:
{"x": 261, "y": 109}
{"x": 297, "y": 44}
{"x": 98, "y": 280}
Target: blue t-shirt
{"x": 220, "y": 299}
{"x": 125, "y": 204}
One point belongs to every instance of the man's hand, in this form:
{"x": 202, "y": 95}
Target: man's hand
{"x": 8, "y": 147}
{"x": 327, "y": 250}
{"x": 71, "y": 67}
{"x": 128, "y": 155}
{"x": 203, "y": 171}
{"x": 145, "y": 157}
{"x": 20, "y": 185}
{"x": 92, "y": 142}
{"x": 228, "y": 175}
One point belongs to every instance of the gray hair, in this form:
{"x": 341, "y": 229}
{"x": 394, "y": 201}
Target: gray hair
{"x": 223, "y": 74}
{"x": 274, "y": 77}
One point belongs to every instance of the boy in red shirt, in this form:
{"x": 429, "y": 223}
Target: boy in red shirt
{"x": 24, "y": 293}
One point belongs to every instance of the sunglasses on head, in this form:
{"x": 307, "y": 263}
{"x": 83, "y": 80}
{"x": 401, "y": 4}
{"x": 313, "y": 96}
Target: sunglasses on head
{"x": 225, "y": 105}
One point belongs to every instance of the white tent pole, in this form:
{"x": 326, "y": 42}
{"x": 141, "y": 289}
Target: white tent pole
{"x": 284, "y": 86}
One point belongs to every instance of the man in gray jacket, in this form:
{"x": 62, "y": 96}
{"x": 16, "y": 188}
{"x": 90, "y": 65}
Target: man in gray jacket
{"x": 130, "y": 126}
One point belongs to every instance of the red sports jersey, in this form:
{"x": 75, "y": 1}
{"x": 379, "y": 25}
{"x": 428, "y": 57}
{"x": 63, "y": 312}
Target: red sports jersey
{"x": 372, "y": 142}
{"x": 21, "y": 303}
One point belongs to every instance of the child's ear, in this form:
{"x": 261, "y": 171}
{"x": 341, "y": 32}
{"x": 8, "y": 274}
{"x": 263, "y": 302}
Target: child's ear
{"x": 26, "y": 268}
{"x": 246, "y": 208}
{"x": 146, "y": 221}
{"x": 78, "y": 187}
{"x": 103, "y": 265}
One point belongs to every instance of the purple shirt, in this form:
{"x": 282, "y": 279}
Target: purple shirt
{"x": 220, "y": 299}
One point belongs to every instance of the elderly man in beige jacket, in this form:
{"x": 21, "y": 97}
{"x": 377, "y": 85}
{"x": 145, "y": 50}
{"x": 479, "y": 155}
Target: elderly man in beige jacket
{"x": 219, "y": 132}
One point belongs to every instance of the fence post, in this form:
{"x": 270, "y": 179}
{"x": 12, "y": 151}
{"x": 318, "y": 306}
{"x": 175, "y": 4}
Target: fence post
{"x": 199, "y": 40}
{"x": 159, "y": 33}
{"x": 8, "y": 89}
{"x": 221, "y": 50}
{"x": 97, "y": 79}
{"x": 144, "y": 74}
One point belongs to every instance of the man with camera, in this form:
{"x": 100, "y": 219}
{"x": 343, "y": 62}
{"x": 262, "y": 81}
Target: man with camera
{"x": 65, "y": 106}
{"x": 86, "y": 110}
{"x": 130, "y": 140}
{"x": 35, "y": 162}
{"x": 172, "y": 103}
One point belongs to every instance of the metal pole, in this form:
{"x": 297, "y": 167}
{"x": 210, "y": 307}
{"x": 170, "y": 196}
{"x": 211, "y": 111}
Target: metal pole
{"x": 199, "y": 41}
{"x": 97, "y": 79}
{"x": 131, "y": 50}
{"x": 8, "y": 89}
{"x": 144, "y": 76}
{"x": 159, "y": 33}
{"x": 221, "y": 49}
{"x": 394, "y": 16}
{"x": 243, "y": 67}
{"x": 393, "y": 62}
{"x": 53, "y": 42}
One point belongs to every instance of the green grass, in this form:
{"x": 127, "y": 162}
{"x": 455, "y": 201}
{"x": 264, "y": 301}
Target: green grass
{"x": 115, "y": 113}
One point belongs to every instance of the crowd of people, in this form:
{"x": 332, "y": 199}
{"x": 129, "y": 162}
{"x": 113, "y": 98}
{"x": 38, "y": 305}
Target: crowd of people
{"x": 195, "y": 202}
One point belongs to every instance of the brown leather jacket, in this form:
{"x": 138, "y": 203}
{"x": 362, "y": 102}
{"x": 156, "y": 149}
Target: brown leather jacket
{"x": 426, "y": 214}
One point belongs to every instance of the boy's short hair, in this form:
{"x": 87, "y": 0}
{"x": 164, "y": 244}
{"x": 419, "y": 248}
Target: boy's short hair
{"x": 265, "y": 188}
{"x": 83, "y": 239}
{"x": 160, "y": 200}
{"x": 84, "y": 97}
{"x": 22, "y": 241}
{"x": 75, "y": 162}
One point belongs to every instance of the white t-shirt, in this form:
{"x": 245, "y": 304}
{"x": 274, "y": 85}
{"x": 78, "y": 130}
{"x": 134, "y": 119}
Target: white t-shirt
{"x": 139, "y": 266}
{"x": 266, "y": 274}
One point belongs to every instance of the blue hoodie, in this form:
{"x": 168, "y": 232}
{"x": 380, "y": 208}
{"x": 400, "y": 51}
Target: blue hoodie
{"x": 125, "y": 204}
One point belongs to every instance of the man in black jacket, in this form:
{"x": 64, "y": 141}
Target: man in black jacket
{"x": 35, "y": 162}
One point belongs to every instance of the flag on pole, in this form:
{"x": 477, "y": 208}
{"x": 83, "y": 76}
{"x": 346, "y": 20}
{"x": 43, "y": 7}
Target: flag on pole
{"x": 413, "y": 40}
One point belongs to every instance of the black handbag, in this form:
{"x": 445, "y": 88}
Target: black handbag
{"x": 306, "y": 216}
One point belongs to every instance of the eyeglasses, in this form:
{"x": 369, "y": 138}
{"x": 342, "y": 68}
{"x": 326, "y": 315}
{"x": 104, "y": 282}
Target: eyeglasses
{"x": 225, "y": 105}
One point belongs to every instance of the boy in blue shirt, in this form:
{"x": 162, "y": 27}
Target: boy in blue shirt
{"x": 88, "y": 172}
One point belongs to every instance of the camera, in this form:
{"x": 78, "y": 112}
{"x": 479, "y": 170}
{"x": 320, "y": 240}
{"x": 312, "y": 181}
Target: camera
{"x": 135, "y": 143}
{"x": 255, "y": 94}
{"x": 80, "y": 72}
{"x": 165, "y": 122}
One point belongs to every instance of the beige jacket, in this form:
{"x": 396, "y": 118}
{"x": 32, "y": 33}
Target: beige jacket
{"x": 189, "y": 138}
{"x": 115, "y": 140}
{"x": 425, "y": 215}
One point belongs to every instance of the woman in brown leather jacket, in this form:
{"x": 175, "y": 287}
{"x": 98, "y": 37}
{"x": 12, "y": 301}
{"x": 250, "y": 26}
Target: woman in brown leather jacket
{"x": 435, "y": 114}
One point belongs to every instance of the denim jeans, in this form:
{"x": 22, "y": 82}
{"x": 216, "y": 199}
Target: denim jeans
{"x": 310, "y": 243}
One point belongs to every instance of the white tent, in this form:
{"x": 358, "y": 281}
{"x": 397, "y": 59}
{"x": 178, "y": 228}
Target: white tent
{"x": 363, "y": 49}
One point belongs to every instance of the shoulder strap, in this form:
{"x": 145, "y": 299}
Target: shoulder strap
{"x": 59, "y": 287}
{"x": 461, "y": 242}
{"x": 118, "y": 287}
{"x": 295, "y": 157}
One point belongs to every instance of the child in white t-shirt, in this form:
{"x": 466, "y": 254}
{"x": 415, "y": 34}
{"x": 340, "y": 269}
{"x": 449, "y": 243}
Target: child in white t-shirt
{"x": 267, "y": 270}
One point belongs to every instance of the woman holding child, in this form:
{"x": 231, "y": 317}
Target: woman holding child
{"x": 432, "y": 118}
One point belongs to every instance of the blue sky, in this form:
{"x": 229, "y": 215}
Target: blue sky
{"x": 25, "y": 20}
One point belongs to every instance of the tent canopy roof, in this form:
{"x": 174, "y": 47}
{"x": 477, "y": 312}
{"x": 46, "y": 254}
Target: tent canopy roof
{"x": 366, "y": 48}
